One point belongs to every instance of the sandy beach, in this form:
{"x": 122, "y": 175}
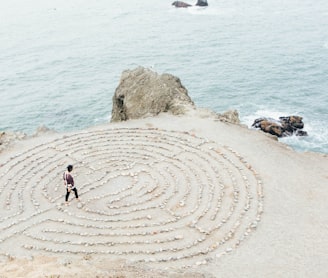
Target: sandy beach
{"x": 165, "y": 196}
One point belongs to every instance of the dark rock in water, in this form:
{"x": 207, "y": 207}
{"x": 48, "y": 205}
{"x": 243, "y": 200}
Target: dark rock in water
{"x": 292, "y": 122}
{"x": 257, "y": 122}
{"x": 301, "y": 133}
{"x": 285, "y": 126}
{"x": 180, "y": 4}
{"x": 271, "y": 127}
{"x": 202, "y": 3}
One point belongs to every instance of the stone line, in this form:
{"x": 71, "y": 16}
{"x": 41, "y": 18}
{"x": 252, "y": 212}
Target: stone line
{"x": 148, "y": 195}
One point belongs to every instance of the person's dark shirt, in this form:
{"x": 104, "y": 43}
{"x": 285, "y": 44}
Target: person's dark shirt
{"x": 69, "y": 179}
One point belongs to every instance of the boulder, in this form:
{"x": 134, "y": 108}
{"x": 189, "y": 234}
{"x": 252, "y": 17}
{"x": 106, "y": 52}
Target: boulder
{"x": 292, "y": 123}
{"x": 271, "y": 127}
{"x": 202, "y": 3}
{"x": 230, "y": 116}
{"x": 41, "y": 130}
{"x": 285, "y": 126}
{"x": 8, "y": 137}
{"x": 180, "y": 4}
{"x": 143, "y": 93}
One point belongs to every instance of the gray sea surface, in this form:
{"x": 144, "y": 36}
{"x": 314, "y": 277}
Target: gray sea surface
{"x": 61, "y": 61}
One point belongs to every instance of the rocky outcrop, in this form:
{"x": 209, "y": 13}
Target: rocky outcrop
{"x": 231, "y": 116}
{"x": 202, "y": 3}
{"x": 285, "y": 126}
{"x": 180, "y": 4}
{"x": 143, "y": 93}
{"x": 41, "y": 130}
{"x": 8, "y": 137}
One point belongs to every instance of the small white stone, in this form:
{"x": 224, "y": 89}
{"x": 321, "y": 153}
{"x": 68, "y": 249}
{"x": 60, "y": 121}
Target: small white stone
{"x": 201, "y": 262}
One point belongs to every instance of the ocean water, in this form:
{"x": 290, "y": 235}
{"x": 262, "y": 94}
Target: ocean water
{"x": 61, "y": 61}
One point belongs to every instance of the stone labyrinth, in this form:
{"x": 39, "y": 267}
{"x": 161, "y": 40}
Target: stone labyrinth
{"x": 147, "y": 195}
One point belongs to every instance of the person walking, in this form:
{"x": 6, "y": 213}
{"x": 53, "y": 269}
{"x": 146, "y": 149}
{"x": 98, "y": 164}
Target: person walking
{"x": 69, "y": 183}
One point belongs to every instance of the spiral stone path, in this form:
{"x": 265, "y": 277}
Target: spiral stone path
{"x": 147, "y": 195}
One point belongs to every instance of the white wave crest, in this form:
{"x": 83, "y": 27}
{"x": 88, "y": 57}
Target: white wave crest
{"x": 325, "y": 45}
{"x": 204, "y": 10}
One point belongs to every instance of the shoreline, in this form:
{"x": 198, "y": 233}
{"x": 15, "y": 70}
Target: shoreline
{"x": 41, "y": 130}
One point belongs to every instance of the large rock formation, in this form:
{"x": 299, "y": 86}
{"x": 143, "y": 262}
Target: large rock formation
{"x": 143, "y": 93}
{"x": 285, "y": 126}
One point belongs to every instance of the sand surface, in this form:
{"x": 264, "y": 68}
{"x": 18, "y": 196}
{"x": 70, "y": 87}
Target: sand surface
{"x": 166, "y": 196}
